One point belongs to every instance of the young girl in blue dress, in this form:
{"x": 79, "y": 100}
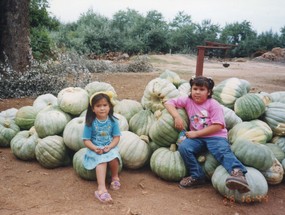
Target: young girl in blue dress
{"x": 101, "y": 136}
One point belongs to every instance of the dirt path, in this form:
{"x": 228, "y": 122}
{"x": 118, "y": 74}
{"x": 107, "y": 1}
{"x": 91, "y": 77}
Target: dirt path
{"x": 28, "y": 188}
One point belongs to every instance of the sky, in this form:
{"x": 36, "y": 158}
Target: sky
{"x": 264, "y": 15}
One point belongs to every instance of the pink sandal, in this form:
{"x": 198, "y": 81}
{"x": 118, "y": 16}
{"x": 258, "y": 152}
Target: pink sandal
{"x": 115, "y": 185}
{"x": 103, "y": 197}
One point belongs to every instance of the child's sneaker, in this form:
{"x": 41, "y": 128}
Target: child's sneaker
{"x": 237, "y": 181}
{"x": 189, "y": 182}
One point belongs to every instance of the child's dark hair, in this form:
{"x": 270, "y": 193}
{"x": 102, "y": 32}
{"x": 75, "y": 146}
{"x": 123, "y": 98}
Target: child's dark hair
{"x": 90, "y": 115}
{"x": 202, "y": 81}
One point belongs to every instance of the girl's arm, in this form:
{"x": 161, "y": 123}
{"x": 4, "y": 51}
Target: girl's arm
{"x": 92, "y": 147}
{"x": 114, "y": 142}
{"x": 205, "y": 131}
{"x": 178, "y": 122}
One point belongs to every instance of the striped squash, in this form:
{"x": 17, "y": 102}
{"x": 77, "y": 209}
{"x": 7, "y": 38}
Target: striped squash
{"x": 274, "y": 116}
{"x": 249, "y": 106}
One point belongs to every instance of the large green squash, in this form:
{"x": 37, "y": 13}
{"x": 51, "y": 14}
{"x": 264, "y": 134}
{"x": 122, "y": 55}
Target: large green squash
{"x": 280, "y": 141}
{"x": 51, "y": 152}
{"x": 123, "y": 122}
{"x": 45, "y": 100}
{"x": 253, "y": 154}
{"x": 254, "y": 130}
{"x": 209, "y": 164}
{"x": 274, "y": 116}
{"x": 25, "y": 117}
{"x": 256, "y": 181}
{"x": 249, "y": 106}
{"x": 51, "y": 121}
{"x": 168, "y": 164}
{"x": 24, "y": 143}
{"x": 231, "y": 119}
{"x": 278, "y": 96}
{"x": 163, "y": 131}
{"x": 9, "y": 113}
{"x": 156, "y": 92}
{"x": 184, "y": 89}
{"x": 277, "y": 151}
{"x": 72, "y": 134}
{"x": 128, "y": 108}
{"x": 73, "y": 100}
{"x": 8, "y": 130}
{"x": 171, "y": 76}
{"x": 134, "y": 150}
{"x": 141, "y": 122}
{"x": 227, "y": 91}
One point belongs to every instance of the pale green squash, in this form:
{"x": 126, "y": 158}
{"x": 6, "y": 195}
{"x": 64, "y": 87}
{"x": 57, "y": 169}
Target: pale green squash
{"x": 45, "y": 100}
{"x": 277, "y": 151}
{"x": 141, "y": 122}
{"x": 253, "y": 154}
{"x": 274, "y": 116}
{"x": 209, "y": 164}
{"x": 128, "y": 108}
{"x": 72, "y": 134}
{"x": 51, "y": 152}
{"x": 25, "y": 117}
{"x": 51, "y": 121}
{"x": 280, "y": 141}
{"x": 156, "y": 92}
{"x": 184, "y": 89}
{"x": 73, "y": 100}
{"x": 168, "y": 164}
{"x": 134, "y": 150}
{"x": 278, "y": 96}
{"x": 254, "y": 130}
{"x": 123, "y": 122}
{"x": 231, "y": 119}
{"x": 256, "y": 181}
{"x": 227, "y": 91}
{"x": 171, "y": 76}
{"x": 249, "y": 106}
{"x": 24, "y": 143}
{"x": 9, "y": 113}
{"x": 8, "y": 130}
{"x": 163, "y": 131}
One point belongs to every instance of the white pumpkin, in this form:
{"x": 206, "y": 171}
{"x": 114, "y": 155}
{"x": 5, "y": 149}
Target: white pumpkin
{"x": 44, "y": 101}
{"x": 73, "y": 100}
{"x": 72, "y": 134}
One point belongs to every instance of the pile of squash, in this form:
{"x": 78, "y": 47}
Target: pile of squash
{"x": 50, "y": 132}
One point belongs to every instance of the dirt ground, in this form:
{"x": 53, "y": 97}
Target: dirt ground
{"x": 28, "y": 188}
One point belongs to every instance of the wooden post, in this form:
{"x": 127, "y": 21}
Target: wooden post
{"x": 200, "y": 61}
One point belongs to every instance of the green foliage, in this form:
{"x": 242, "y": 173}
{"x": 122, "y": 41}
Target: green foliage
{"x": 41, "y": 23}
{"x": 131, "y": 32}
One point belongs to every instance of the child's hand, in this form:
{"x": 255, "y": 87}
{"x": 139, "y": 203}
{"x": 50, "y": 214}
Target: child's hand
{"x": 106, "y": 149}
{"x": 98, "y": 151}
{"x": 191, "y": 134}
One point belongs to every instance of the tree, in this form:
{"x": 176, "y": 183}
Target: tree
{"x": 15, "y": 47}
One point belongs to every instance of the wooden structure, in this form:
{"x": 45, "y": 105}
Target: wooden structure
{"x": 201, "y": 54}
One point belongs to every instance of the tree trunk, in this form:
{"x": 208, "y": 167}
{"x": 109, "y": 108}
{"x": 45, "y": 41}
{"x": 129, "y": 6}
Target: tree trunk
{"x": 15, "y": 49}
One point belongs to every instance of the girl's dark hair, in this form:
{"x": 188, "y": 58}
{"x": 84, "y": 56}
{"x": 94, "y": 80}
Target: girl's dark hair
{"x": 90, "y": 115}
{"x": 202, "y": 81}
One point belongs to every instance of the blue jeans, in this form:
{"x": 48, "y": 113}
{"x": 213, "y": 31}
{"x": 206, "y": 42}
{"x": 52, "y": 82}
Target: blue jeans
{"x": 219, "y": 147}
